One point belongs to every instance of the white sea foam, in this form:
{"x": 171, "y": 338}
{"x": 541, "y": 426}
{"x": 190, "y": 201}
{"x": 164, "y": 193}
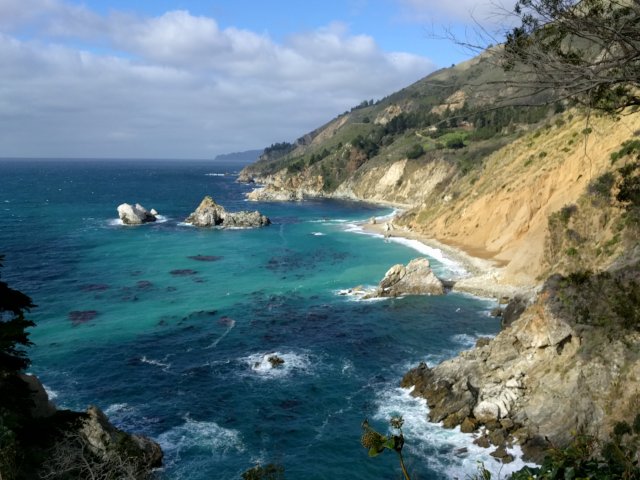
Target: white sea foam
{"x": 185, "y": 224}
{"x": 466, "y": 340}
{"x": 259, "y": 364}
{"x": 215, "y": 174}
{"x": 51, "y": 393}
{"x": 318, "y": 234}
{"x": 206, "y": 437}
{"x": 231, "y": 323}
{"x": 388, "y": 216}
{"x": 347, "y": 367}
{"x": 452, "y": 266}
{"x": 116, "y": 222}
{"x": 435, "y": 253}
{"x": 157, "y": 363}
{"x": 118, "y": 408}
{"x": 445, "y": 450}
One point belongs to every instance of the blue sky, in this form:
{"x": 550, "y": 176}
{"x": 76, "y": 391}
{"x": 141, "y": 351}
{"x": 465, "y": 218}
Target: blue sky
{"x": 192, "y": 79}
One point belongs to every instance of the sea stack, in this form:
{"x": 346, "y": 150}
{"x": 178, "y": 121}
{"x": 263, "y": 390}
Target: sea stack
{"x": 135, "y": 214}
{"x": 211, "y": 214}
{"x": 416, "y": 278}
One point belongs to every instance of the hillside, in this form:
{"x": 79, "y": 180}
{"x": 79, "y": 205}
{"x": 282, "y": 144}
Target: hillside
{"x": 546, "y": 196}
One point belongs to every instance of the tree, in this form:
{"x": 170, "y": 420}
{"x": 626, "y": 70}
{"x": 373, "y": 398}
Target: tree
{"x": 588, "y": 51}
{"x": 13, "y": 329}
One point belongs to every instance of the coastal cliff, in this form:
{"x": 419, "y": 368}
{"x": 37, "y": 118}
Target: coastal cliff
{"x": 544, "y": 200}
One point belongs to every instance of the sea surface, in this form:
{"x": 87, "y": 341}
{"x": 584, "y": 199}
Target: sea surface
{"x": 168, "y": 328}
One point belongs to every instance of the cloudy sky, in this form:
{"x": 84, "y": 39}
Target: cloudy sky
{"x": 193, "y": 79}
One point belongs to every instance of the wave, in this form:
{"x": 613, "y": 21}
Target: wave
{"x": 185, "y": 224}
{"x": 156, "y": 363}
{"x": 388, "y": 216}
{"x": 116, "y": 222}
{"x": 448, "y": 451}
{"x": 199, "y": 437}
{"x": 329, "y": 221}
{"x": 216, "y": 174}
{"x": 468, "y": 340}
{"x": 318, "y": 234}
{"x": 51, "y": 393}
{"x": 451, "y": 265}
{"x": 230, "y": 322}
{"x": 116, "y": 408}
{"x": 259, "y": 364}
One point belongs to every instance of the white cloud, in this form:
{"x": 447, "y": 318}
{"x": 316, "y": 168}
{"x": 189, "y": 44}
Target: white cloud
{"x": 176, "y": 85}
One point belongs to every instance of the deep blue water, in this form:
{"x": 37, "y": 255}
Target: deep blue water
{"x": 175, "y": 347}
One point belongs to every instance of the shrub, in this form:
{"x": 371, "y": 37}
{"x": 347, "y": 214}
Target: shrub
{"x": 415, "y": 152}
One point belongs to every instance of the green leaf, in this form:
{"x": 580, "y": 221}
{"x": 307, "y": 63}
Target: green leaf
{"x": 374, "y": 452}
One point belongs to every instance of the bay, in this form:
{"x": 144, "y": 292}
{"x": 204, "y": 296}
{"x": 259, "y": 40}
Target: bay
{"x": 168, "y": 328}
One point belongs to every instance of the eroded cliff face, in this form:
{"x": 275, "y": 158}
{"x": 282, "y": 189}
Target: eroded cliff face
{"x": 503, "y": 211}
{"x": 553, "y": 373}
{"x": 498, "y": 211}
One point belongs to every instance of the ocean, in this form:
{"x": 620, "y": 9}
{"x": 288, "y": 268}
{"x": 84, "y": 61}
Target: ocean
{"x": 168, "y": 328}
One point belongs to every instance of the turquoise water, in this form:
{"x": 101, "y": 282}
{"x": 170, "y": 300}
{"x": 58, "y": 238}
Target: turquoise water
{"x": 174, "y": 347}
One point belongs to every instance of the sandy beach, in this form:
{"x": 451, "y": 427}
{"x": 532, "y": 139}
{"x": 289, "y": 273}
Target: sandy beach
{"x": 484, "y": 276}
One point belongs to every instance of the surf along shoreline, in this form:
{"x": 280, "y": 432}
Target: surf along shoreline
{"x": 483, "y": 275}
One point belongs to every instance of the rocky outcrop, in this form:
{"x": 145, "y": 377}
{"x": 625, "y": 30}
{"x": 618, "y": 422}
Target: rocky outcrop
{"x": 541, "y": 378}
{"x": 270, "y": 194}
{"x": 135, "y": 214}
{"x": 416, "y": 278}
{"x": 80, "y": 444}
{"x": 210, "y": 214}
{"x": 105, "y": 441}
{"x": 245, "y": 219}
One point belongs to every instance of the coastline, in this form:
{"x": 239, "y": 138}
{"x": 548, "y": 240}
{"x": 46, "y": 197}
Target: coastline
{"x": 484, "y": 276}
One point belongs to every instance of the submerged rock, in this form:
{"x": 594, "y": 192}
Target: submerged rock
{"x": 135, "y": 214}
{"x": 275, "y": 361}
{"x": 211, "y": 214}
{"x": 78, "y": 317}
{"x": 416, "y": 278}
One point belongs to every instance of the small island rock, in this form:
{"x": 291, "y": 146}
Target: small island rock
{"x": 135, "y": 214}
{"x": 210, "y": 214}
{"x": 416, "y": 278}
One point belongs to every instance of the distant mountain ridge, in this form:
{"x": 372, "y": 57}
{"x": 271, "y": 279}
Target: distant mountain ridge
{"x": 245, "y": 157}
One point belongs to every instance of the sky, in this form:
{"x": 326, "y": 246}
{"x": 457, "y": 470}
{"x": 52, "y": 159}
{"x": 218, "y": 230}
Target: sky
{"x": 193, "y": 79}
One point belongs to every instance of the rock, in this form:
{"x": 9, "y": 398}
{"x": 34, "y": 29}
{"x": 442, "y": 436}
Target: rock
{"x": 135, "y": 214}
{"x": 513, "y": 310}
{"x": 153, "y": 212}
{"x": 483, "y": 342}
{"x": 482, "y": 441}
{"x": 42, "y": 407}
{"x": 486, "y": 411}
{"x": 496, "y": 312}
{"x": 373, "y": 221}
{"x": 275, "y": 361}
{"x": 210, "y": 214}
{"x": 497, "y": 437}
{"x": 501, "y": 454}
{"x": 104, "y": 440}
{"x": 468, "y": 425}
{"x": 507, "y": 423}
{"x": 414, "y": 279}
{"x": 245, "y": 220}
